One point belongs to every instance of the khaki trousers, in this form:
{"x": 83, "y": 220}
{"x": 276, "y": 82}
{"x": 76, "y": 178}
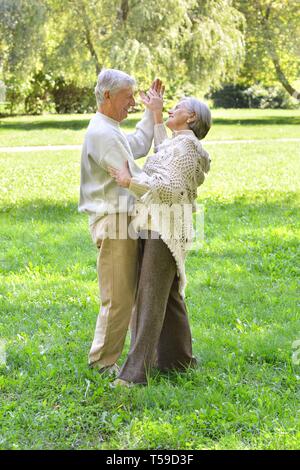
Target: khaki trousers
{"x": 117, "y": 276}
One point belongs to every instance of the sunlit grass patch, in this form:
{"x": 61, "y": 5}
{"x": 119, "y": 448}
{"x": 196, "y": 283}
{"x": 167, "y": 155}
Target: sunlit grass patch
{"x": 242, "y": 298}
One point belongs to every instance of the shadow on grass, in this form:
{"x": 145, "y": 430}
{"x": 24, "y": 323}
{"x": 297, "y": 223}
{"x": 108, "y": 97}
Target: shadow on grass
{"x": 43, "y": 125}
{"x": 71, "y": 124}
{"x": 80, "y": 124}
{"x": 267, "y": 120}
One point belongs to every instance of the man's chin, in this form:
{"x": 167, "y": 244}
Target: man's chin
{"x": 124, "y": 115}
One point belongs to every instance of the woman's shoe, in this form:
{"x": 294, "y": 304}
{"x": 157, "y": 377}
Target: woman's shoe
{"x": 122, "y": 383}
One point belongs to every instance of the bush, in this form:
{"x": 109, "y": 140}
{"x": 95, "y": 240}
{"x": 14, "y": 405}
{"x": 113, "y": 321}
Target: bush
{"x": 255, "y": 96}
{"x": 230, "y": 96}
{"x": 271, "y": 97}
{"x": 43, "y": 93}
{"x": 69, "y": 98}
{"x": 39, "y": 98}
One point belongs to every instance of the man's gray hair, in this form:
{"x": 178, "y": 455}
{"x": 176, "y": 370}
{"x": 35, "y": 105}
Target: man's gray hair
{"x": 112, "y": 80}
{"x": 202, "y": 124}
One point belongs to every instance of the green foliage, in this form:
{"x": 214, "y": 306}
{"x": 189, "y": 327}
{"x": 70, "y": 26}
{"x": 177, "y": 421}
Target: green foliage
{"x": 242, "y": 300}
{"x": 188, "y": 43}
{"x": 195, "y": 46}
{"x": 256, "y": 96}
{"x": 21, "y": 45}
{"x": 69, "y": 98}
{"x": 39, "y": 97}
{"x": 21, "y": 35}
{"x": 272, "y": 33}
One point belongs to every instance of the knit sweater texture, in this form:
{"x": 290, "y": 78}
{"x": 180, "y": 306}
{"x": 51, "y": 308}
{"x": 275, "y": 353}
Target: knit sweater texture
{"x": 106, "y": 144}
{"x": 167, "y": 190}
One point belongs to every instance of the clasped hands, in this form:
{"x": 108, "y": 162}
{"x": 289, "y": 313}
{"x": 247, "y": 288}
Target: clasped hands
{"x": 153, "y": 99}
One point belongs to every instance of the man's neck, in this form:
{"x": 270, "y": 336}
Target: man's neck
{"x": 107, "y": 112}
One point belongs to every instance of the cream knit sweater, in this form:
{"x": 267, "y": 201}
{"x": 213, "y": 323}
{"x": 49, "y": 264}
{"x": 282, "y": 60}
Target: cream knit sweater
{"x": 167, "y": 189}
{"x": 106, "y": 144}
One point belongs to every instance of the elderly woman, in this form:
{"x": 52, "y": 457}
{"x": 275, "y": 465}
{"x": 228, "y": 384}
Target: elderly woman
{"x": 161, "y": 333}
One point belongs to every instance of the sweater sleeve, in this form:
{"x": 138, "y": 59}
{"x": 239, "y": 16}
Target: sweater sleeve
{"x": 160, "y": 134}
{"x": 140, "y": 141}
{"x": 139, "y": 185}
{"x": 114, "y": 154}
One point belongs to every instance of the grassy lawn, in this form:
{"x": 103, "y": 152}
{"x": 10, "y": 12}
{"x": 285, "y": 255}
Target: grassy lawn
{"x": 70, "y": 129}
{"x": 242, "y": 299}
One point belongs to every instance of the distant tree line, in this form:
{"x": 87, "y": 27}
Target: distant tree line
{"x": 235, "y": 52}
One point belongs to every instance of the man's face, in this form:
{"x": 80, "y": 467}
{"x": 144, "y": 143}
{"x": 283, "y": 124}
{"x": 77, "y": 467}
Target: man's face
{"x": 120, "y": 102}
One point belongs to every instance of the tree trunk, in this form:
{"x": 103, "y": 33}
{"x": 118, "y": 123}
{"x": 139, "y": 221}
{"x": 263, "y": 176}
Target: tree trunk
{"x": 92, "y": 50}
{"x": 81, "y": 11}
{"x": 282, "y": 78}
{"x": 274, "y": 56}
{"x": 124, "y": 10}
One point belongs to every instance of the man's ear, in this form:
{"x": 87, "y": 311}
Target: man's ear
{"x": 106, "y": 94}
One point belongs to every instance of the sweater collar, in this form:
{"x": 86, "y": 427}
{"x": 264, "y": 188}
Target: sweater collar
{"x": 183, "y": 132}
{"x": 107, "y": 119}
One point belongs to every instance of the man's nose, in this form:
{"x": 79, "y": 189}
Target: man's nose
{"x": 132, "y": 103}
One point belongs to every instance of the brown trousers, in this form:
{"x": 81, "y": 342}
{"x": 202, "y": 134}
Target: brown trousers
{"x": 161, "y": 333}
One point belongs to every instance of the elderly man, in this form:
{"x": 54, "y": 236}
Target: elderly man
{"x": 109, "y": 208}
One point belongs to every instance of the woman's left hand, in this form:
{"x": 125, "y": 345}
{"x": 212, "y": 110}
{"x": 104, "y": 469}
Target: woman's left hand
{"x": 153, "y": 100}
{"x": 122, "y": 177}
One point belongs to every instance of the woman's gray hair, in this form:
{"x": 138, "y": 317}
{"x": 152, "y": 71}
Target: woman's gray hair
{"x": 202, "y": 124}
{"x": 112, "y": 80}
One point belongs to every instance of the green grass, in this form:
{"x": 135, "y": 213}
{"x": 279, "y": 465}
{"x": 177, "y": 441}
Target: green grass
{"x": 70, "y": 129}
{"x": 242, "y": 299}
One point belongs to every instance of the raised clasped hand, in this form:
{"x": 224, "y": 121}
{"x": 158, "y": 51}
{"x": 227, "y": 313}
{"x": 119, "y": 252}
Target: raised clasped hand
{"x": 153, "y": 99}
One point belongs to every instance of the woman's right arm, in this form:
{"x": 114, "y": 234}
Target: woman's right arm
{"x": 153, "y": 100}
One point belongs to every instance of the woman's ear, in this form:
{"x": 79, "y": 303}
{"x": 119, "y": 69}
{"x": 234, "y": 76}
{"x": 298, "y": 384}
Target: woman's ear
{"x": 191, "y": 118}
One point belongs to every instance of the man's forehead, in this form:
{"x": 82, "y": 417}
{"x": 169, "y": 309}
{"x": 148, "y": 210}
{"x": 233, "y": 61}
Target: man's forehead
{"x": 128, "y": 90}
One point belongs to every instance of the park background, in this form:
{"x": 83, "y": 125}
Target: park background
{"x": 243, "y": 58}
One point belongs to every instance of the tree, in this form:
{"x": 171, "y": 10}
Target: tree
{"x": 198, "y": 42}
{"x": 272, "y": 41}
{"x": 191, "y": 44}
{"x": 21, "y": 41}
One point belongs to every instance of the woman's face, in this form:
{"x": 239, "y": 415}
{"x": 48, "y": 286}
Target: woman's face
{"x": 178, "y": 117}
